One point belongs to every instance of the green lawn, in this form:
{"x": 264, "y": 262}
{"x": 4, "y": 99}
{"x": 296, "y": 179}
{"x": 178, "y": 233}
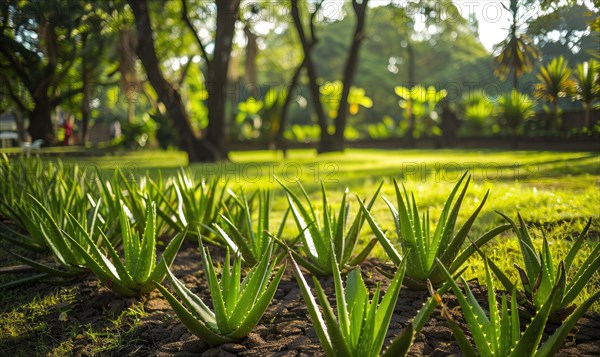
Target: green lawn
{"x": 556, "y": 191}
{"x": 545, "y": 187}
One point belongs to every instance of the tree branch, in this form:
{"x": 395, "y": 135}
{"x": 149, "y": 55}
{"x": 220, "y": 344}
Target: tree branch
{"x": 184, "y": 73}
{"x": 313, "y": 34}
{"x": 11, "y": 92}
{"x": 14, "y": 62}
{"x": 186, "y": 19}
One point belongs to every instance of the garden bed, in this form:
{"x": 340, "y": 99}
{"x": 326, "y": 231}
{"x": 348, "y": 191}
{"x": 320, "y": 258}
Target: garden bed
{"x": 95, "y": 321}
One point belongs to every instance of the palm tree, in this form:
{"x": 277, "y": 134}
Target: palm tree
{"x": 587, "y": 86}
{"x": 554, "y": 82}
{"x": 517, "y": 52}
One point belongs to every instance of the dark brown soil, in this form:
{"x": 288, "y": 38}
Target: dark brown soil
{"x": 285, "y": 329}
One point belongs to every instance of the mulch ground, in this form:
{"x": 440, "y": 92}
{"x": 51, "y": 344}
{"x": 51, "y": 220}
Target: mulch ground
{"x": 284, "y": 330}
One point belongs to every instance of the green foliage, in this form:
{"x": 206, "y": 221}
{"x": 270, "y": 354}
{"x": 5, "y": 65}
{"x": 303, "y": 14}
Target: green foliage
{"x": 421, "y": 102}
{"x": 420, "y": 246}
{"x": 303, "y": 133}
{"x": 237, "y": 308}
{"x": 54, "y": 232}
{"x": 361, "y": 324}
{"x": 131, "y": 193}
{"x": 323, "y": 241}
{"x": 242, "y": 234}
{"x": 514, "y": 108}
{"x": 478, "y": 114}
{"x": 259, "y": 119}
{"x": 138, "y": 272}
{"x": 554, "y": 80}
{"x": 500, "y": 334}
{"x": 541, "y": 273}
{"x": 331, "y": 93}
{"x": 138, "y": 133}
{"x": 587, "y": 81}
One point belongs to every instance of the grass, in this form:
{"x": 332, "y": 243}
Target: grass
{"x": 555, "y": 191}
{"x": 30, "y": 327}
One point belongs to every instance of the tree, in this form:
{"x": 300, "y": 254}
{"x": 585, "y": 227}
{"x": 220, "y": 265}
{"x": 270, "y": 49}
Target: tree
{"x": 517, "y": 52}
{"x": 196, "y": 149}
{"x": 212, "y": 147}
{"x": 565, "y": 30}
{"x": 587, "y": 87}
{"x": 332, "y": 141}
{"x": 39, "y": 44}
{"x": 217, "y": 68}
{"x": 554, "y": 82}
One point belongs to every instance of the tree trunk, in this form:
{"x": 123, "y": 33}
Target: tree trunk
{"x": 586, "y": 116}
{"x": 85, "y": 101}
{"x": 40, "y": 120}
{"x": 410, "y": 132}
{"x": 130, "y": 85}
{"x": 279, "y": 140}
{"x": 307, "y": 48}
{"x": 250, "y": 73}
{"x": 197, "y": 150}
{"x": 227, "y": 11}
{"x": 337, "y": 140}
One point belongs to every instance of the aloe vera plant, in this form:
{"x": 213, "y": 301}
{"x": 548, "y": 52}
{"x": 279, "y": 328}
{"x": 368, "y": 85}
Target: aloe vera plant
{"x": 68, "y": 262}
{"x": 237, "y": 306}
{"x": 499, "y": 333}
{"x": 541, "y": 273}
{"x": 138, "y": 271}
{"x": 197, "y": 205}
{"x": 60, "y": 189}
{"x": 420, "y": 246}
{"x": 323, "y": 241}
{"x": 133, "y": 194}
{"x": 362, "y": 323}
{"x": 244, "y": 234}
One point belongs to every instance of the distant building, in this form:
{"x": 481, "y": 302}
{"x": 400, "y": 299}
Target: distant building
{"x": 8, "y": 122}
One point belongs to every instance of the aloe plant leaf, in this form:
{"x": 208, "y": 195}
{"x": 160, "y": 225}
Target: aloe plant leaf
{"x": 193, "y": 302}
{"x": 258, "y": 309}
{"x": 338, "y": 342}
{"x": 313, "y": 308}
{"x": 504, "y": 280}
{"x": 167, "y": 257}
{"x": 385, "y": 310}
{"x": 356, "y": 298}
{"x": 457, "y": 331}
{"x": 530, "y": 339}
{"x": 401, "y": 344}
{"x": 197, "y": 327}
{"x": 583, "y": 275}
{"x": 456, "y": 243}
{"x": 215, "y": 292}
{"x": 47, "y": 269}
{"x": 252, "y": 286}
{"x": 478, "y": 243}
{"x": 554, "y": 342}
{"x": 472, "y": 312}
{"x": 385, "y": 242}
{"x": 577, "y": 246}
{"x": 340, "y": 296}
{"x": 147, "y": 249}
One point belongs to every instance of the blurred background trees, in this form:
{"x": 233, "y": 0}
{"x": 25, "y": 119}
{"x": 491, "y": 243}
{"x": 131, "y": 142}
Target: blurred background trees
{"x": 203, "y": 76}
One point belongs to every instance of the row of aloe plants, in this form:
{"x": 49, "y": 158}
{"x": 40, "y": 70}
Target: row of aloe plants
{"x": 110, "y": 229}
